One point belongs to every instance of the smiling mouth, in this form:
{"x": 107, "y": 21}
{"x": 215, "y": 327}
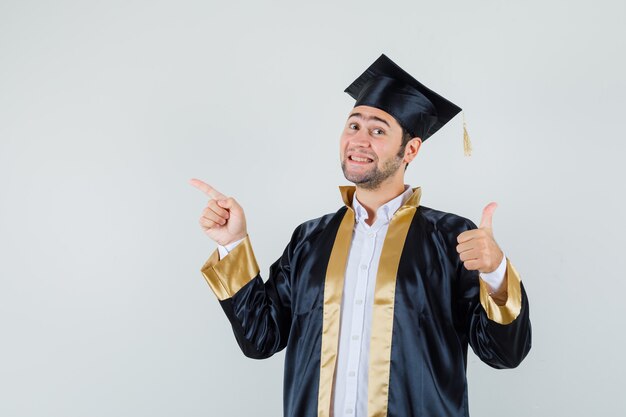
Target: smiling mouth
{"x": 360, "y": 160}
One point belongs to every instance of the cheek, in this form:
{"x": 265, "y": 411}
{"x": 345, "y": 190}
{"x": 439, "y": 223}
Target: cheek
{"x": 380, "y": 149}
{"x": 343, "y": 144}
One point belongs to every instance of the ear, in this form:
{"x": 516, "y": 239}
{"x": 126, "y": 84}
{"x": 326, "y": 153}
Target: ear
{"x": 411, "y": 149}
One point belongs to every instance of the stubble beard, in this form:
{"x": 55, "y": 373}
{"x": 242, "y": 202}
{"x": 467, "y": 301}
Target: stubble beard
{"x": 372, "y": 179}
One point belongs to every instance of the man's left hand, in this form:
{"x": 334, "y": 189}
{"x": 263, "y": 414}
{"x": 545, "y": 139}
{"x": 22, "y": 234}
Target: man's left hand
{"x": 477, "y": 247}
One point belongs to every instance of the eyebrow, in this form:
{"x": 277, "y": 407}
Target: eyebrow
{"x": 360, "y": 116}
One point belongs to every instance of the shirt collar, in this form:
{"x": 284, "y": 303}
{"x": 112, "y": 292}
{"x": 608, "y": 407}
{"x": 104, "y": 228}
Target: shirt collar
{"x": 384, "y": 212}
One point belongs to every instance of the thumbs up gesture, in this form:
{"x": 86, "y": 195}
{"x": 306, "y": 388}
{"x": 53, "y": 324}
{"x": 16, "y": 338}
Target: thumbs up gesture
{"x": 477, "y": 248}
{"x": 222, "y": 219}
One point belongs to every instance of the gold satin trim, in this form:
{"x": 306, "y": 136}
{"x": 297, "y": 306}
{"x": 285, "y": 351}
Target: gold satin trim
{"x": 382, "y": 314}
{"x": 229, "y": 275}
{"x": 383, "y": 311}
{"x": 347, "y": 193}
{"x": 333, "y": 291}
{"x": 382, "y": 318}
{"x": 504, "y": 314}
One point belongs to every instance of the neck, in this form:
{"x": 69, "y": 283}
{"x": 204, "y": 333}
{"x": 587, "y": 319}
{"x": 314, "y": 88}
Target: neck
{"x": 372, "y": 199}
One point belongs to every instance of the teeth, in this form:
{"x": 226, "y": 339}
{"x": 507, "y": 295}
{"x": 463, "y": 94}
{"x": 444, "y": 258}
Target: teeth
{"x": 356, "y": 158}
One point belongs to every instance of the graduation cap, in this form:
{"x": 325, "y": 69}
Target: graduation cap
{"x": 418, "y": 109}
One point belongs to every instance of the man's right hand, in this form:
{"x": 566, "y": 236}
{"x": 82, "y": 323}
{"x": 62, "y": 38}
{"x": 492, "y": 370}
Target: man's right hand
{"x": 222, "y": 220}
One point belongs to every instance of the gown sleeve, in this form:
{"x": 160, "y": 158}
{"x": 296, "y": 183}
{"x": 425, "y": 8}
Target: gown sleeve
{"x": 259, "y": 312}
{"x": 499, "y": 333}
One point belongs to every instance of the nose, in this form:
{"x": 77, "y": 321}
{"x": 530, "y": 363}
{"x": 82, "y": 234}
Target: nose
{"x": 361, "y": 139}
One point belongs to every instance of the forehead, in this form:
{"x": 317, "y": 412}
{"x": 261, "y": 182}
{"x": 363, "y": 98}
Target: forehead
{"x": 373, "y": 113}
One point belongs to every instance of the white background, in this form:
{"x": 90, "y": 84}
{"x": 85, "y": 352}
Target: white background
{"x": 108, "y": 108}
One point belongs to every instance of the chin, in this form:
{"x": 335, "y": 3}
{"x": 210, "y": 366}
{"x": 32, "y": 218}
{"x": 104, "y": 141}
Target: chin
{"x": 356, "y": 177}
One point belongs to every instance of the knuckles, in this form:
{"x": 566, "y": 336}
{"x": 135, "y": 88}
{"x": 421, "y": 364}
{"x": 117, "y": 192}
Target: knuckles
{"x": 214, "y": 219}
{"x": 481, "y": 254}
{"x": 470, "y": 265}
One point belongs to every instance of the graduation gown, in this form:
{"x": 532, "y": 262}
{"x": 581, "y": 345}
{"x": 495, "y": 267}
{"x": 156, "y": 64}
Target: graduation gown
{"x": 427, "y": 309}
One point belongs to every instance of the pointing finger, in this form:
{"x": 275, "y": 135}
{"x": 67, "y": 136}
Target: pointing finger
{"x": 206, "y": 188}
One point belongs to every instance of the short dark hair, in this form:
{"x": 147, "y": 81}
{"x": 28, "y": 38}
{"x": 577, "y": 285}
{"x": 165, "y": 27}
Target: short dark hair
{"x": 406, "y": 137}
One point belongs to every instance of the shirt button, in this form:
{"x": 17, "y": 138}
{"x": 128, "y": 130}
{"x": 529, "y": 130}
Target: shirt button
{"x": 359, "y": 302}
{"x": 348, "y": 411}
{"x": 371, "y": 235}
{"x": 351, "y": 373}
{"x": 355, "y": 337}
{"x": 364, "y": 267}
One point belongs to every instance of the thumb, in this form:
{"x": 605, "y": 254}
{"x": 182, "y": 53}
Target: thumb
{"x": 485, "y": 221}
{"x": 227, "y": 203}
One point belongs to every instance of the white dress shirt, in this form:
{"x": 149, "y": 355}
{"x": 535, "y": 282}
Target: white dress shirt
{"x": 349, "y": 397}
{"x": 350, "y": 390}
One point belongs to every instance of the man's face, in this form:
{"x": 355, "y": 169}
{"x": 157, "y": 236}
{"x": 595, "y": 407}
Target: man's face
{"x": 370, "y": 147}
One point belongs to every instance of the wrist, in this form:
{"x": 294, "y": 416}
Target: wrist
{"x": 234, "y": 241}
{"x": 495, "y": 278}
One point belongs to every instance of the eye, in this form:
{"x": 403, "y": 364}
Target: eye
{"x": 378, "y": 131}
{"x": 353, "y": 126}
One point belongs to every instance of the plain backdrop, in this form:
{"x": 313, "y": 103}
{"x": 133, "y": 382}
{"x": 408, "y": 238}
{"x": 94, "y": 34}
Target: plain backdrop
{"x": 108, "y": 108}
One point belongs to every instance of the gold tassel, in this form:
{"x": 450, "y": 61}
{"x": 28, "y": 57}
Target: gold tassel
{"x": 467, "y": 143}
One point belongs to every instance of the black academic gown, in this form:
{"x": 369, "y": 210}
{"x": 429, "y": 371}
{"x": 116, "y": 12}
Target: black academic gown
{"x": 427, "y": 309}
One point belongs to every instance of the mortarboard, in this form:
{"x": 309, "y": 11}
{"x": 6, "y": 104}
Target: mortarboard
{"x": 418, "y": 109}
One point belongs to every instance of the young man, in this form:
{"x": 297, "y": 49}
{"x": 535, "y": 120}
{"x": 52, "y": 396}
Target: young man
{"x": 376, "y": 303}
